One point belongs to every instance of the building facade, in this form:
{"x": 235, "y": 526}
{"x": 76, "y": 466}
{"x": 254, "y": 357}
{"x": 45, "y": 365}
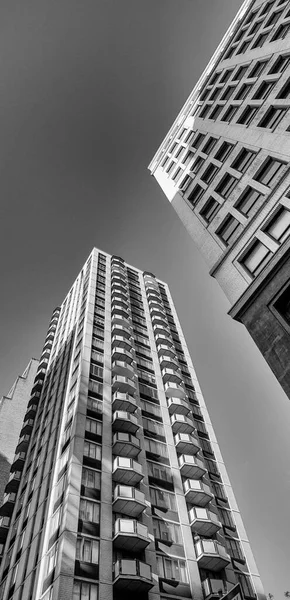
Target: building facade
{"x": 121, "y": 489}
{"x": 224, "y": 166}
{"x": 12, "y": 410}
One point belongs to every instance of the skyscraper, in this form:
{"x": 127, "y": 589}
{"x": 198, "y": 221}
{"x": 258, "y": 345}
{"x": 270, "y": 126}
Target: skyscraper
{"x": 121, "y": 487}
{"x": 224, "y": 166}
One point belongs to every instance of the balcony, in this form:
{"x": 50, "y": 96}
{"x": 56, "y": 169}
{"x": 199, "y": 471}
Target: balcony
{"x": 119, "y": 299}
{"x": 130, "y": 535}
{"x": 128, "y": 501}
{"x": 165, "y": 340}
{"x": 27, "y": 427}
{"x": 31, "y": 411}
{"x": 165, "y": 349}
{"x": 18, "y": 462}
{"x": 13, "y": 482}
{"x": 121, "y": 367}
{"x": 126, "y": 445}
{"x": 124, "y": 421}
{"x": 181, "y": 424}
{"x": 119, "y": 288}
{"x": 127, "y": 471}
{"x": 174, "y": 389}
{"x": 196, "y": 492}
{"x": 177, "y": 406}
{"x": 132, "y": 576}
{"x": 123, "y": 385}
{"x": 4, "y": 528}
{"x": 191, "y": 466}
{"x": 171, "y": 376}
{"x": 124, "y": 402}
{"x": 186, "y": 443}
{"x": 156, "y": 311}
{"x": 119, "y": 353}
{"x": 119, "y": 341}
{"x": 124, "y": 331}
{"x": 211, "y": 555}
{"x": 23, "y": 443}
{"x": 7, "y": 507}
{"x": 168, "y": 362}
{"x": 203, "y": 521}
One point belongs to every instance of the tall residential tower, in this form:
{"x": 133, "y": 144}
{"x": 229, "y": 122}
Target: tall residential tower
{"x": 224, "y": 166}
{"x": 118, "y": 487}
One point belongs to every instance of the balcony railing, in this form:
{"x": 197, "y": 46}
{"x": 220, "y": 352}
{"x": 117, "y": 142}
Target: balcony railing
{"x": 123, "y": 384}
{"x": 181, "y": 424}
{"x": 128, "y": 501}
{"x": 196, "y": 492}
{"x": 121, "y": 367}
{"x": 130, "y": 535}
{"x": 132, "y": 576}
{"x": 203, "y": 521}
{"x": 177, "y": 405}
{"x": 174, "y": 389}
{"x": 127, "y": 471}
{"x": 124, "y": 421}
{"x": 211, "y": 555}
{"x": 191, "y": 466}
{"x": 122, "y": 401}
{"x": 186, "y": 443}
{"x": 126, "y": 445}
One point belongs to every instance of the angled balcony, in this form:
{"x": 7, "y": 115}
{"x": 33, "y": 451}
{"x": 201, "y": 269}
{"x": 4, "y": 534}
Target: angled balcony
{"x": 191, "y": 467}
{"x": 13, "y": 482}
{"x": 181, "y": 424}
{"x": 128, "y": 501}
{"x": 213, "y": 588}
{"x": 127, "y": 471}
{"x": 172, "y": 388}
{"x": 23, "y": 443}
{"x": 132, "y": 577}
{"x": 4, "y": 528}
{"x": 125, "y": 421}
{"x": 119, "y": 353}
{"x": 119, "y": 299}
{"x": 123, "y": 330}
{"x": 211, "y": 555}
{"x": 31, "y": 411}
{"x": 186, "y": 443}
{"x": 7, "y": 507}
{"x": 18, "y": 462}
{"x": 166, "y": 349}
{"x": 177, "y": 406}
{"x": 171, "y": 376}
{"x": 121, "y": 367}
{"x": 203, "y": 521}
{"x": 165, "y": 340}
{"x": 168, "y": 362}
{"x": 130, "y": 535}
{"x": 196, "y": 492}
{"x": 27, "y": 427}
{"x": 120, "y": 341}
{"x": 123, "y": 402}
{"x": 123, "y": 385}
{"x": 119, "y": 288}
{"x": 126, "y": 445}
{"x": 156, "y": 310}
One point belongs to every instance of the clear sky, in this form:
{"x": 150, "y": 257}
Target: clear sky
{"x": 87, "y": 92}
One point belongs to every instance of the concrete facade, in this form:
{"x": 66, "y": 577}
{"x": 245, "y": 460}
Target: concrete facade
{"x": 123, "y": 489}
{"x": 224, "y": 164}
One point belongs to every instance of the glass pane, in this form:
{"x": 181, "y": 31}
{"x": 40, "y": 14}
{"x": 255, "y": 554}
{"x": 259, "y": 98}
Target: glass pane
{"x": 256, "y": 256}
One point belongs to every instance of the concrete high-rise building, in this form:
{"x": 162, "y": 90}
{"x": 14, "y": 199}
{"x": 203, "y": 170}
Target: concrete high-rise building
{"x": 118, "y": 487}
{"x": 224, "y": 166}
{"x": 12, "y": 410}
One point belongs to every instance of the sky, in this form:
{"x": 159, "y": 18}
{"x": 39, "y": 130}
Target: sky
{"x": 88, "y": 90}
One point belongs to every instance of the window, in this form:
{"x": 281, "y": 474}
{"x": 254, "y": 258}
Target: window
{"x": 281, "y": 32}
{"x": 197, "y": 165}
{"x": 198, "y": 140}
{"x": 267, "y": 7}
{"x": 209, "y": 145}
{"x": 228, "y": 93}
{"x": 248, "y": 115}
{"x": 244, "y": 47}
{"x": 195, "y": 195}
{"x": 89, "y": 511}
{"x": 226, "y": 185}
{"x": 241, "y": 72}
{"x": 264, "y": 90}
{"x": 172, "y": 568}
{"x": 94, "y": 426}
{"x": 92, "y": 450}
{"x": 91, "y": 479}
{"x": 96, "y": 371}
{"x": 234, "y": 548}
{"x": 216, "y": 112}
{"x": 209, "y": 174}
{"x": 281, "y": 64}
{"x": 260, "y": 41}
{"x": 167, "y": 531}
{"x": 269, "y": 169}
{"x": 150, "y": 408}
{"x": 282, "y": 305}
{"x": 225, "y": 76}
{"x": 229, "y": 114}
{"x": 243, "y": 91}
{"x": 256, "y": 258}
{"x": 285, "y": 92}
{"x": 243, "y": 160}
{"x": 215, "y": 94}
{"x": 246, "y": 585}
{"x": 224, "y": 151}
{"x": 51, "y": 559}
{"x": 153, "y": 427}
{"x": 87, "y": 550}
{"x": 258, "y": 68}
{"x": 95, "y": 405}
{"x": 229, "y": 230}
{"x": 159, "y": 472}
{"x": 279, "y": 226}
{"x": 275, "y": 16}
{"x": 247, "y": 202}
{"x": 187, "y": 158}
{"x": 85, "y": 591}
{"x": 210, "y": 209}
{"x": 155, "y": 448}
{"x": 162, "y": 499}
{"x": 272, "y": 117}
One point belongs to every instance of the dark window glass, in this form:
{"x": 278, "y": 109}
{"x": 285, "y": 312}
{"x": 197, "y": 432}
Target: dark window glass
{"x": 264, "y": 90}
{"x": 229, "y": 229}
{"x": 258, "y": 68}
{"x": 243, "y": 91}
{"x": 228, "y": 93}
{"x": 226, "y": 185}
{"x": 197, "y": 164}
{"x": 280, "y": 64}
{"x": 282, "y": 305}
{"x": 256, "y": 258}
{"x": 273, "y": 117}
{"x": 209, "y": 210}
{"x": 274, "y": 18}
{"x": 285, "y": 91}
{"x": 224, "y": 151}
{"x": 216, "y": 112}
{"x": 195, "y": 195}
{"x": 209, "y": 173}
{"x": 260, "y": 41}
{"x": 204, "y": 111}
{"x": 241, "y": 72}
{"x": 269, "y": 169}
{"x": 211, "y": 142}
{"x": 229, "y": 114}
{"x": 248, "y": 115}
{"x": 226, "y": 75}
{"x": 198, "y": 140}
{"x": 281, "y": 32}
{"x": 247, "y": 202}
{"x": 244, "y": 47}
{"x": 243, "y": 160}
{"x": 279, "y": 226}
